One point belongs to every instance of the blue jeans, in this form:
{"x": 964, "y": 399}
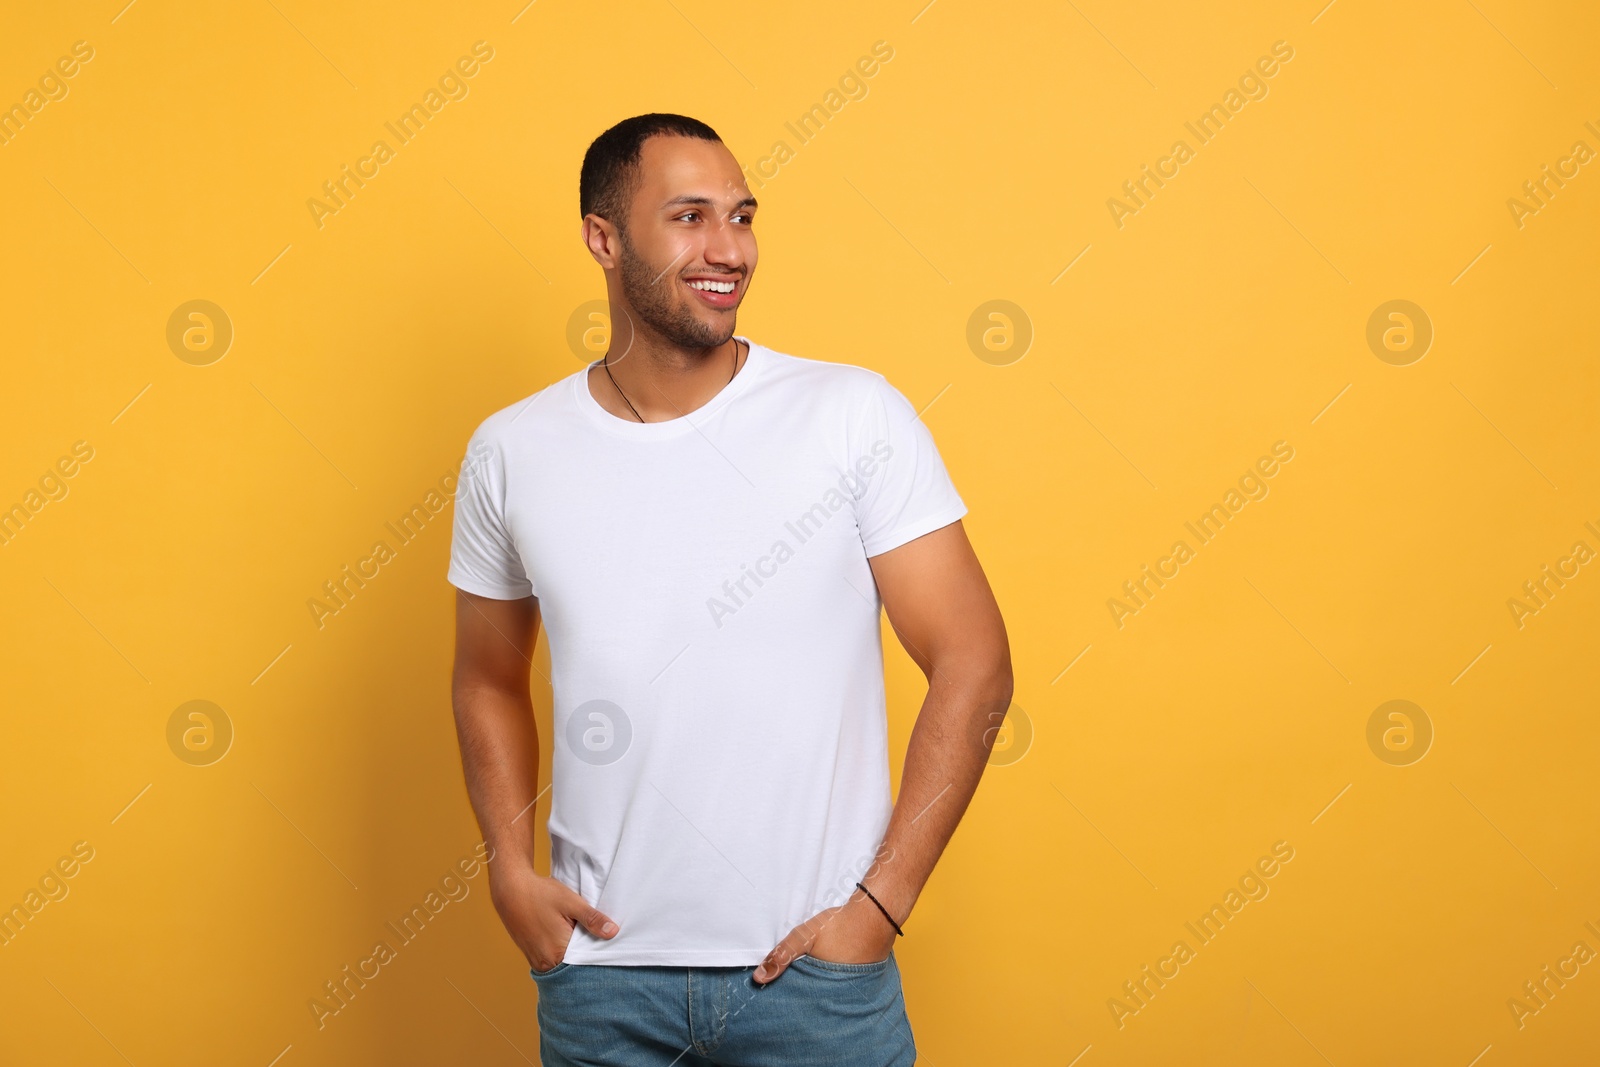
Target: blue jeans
{"x": 815, "y": 1014}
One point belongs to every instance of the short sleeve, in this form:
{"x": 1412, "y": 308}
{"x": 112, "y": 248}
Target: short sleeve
{"x": 907, "y": 491}
{"x": 483, "y": 556}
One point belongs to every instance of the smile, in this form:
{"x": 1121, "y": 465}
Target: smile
{"x": 716, "y": 293}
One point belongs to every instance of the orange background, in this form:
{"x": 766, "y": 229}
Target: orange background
{"x": 1144, "y": 363}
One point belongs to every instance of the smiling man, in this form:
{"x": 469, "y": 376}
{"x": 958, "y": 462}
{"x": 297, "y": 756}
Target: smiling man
{"x": 707, "y": 528}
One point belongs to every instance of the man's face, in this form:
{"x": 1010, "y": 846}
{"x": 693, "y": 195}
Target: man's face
{"x": 690, "y": 222}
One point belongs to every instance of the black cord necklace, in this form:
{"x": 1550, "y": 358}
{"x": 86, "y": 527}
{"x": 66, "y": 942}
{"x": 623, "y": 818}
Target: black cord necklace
{"x": 605, "y": 362}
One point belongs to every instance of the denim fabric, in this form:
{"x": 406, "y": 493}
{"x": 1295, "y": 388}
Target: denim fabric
{"x": 816, "y": 1014}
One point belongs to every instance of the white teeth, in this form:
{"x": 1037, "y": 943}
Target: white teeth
{"x": 713, "y": 287}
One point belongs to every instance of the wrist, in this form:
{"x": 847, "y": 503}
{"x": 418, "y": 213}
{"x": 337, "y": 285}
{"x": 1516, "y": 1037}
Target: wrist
{"x": 869, "y": 899}
{"x": 510, "y": 870}
{"x": 896, "y": 896}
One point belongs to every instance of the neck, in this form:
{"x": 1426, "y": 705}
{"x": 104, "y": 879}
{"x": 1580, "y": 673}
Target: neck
{"x": 658, "y": 382}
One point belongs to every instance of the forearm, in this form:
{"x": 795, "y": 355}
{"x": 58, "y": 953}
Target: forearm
{"x": 945, "y": 759}
{"x": 500, "y": 760}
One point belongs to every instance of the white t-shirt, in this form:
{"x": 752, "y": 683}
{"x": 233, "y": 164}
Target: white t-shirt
{"x": 720, "y": 763}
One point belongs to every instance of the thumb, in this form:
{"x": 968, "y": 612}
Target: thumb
{"x": 778, "y": 959}
{"x": 591, "y": 918}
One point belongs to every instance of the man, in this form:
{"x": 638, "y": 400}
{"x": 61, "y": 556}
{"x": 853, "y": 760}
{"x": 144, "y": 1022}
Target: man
{"x": 706, "y": 528}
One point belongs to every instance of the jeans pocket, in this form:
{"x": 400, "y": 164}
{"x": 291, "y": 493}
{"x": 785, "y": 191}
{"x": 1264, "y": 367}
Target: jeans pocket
{"x": 844, "y": 970}
{"x": 557, "y": 969}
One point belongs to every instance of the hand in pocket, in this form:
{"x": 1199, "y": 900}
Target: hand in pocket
{"x": 541, "y": 914}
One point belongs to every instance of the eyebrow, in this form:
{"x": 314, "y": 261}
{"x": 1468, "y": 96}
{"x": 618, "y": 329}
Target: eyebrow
{"x": 704, "y": 201}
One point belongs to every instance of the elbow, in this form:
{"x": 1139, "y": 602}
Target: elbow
{"x": 984, "y": 676}
{"x": 997, "y": 666}
{"x": 999, "y": 684}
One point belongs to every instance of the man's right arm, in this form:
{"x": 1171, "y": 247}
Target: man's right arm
{"x": 500, "y": 759}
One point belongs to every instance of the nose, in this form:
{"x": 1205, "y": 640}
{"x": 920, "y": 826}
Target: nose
{"x": 723, "y": 247}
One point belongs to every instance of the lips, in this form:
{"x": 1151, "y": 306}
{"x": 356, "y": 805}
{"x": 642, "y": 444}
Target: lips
{"x": 714, "y": 299}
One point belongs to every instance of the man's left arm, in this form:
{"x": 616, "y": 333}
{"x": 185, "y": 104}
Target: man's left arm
{"x": 944, "y": 613}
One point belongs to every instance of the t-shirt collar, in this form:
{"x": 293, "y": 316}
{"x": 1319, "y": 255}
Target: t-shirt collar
{"x": 621, "y": 427}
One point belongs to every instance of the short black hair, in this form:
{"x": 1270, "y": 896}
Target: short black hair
{"x": 610, "y": 171}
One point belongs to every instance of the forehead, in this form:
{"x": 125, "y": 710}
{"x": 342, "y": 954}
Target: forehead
{"x": 672, "y": 167}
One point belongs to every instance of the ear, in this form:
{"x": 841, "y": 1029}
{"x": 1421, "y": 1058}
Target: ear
{"x": 602, "y": 240}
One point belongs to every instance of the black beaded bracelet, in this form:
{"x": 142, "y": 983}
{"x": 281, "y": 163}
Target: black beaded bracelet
{"x": 881, "y": 908}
